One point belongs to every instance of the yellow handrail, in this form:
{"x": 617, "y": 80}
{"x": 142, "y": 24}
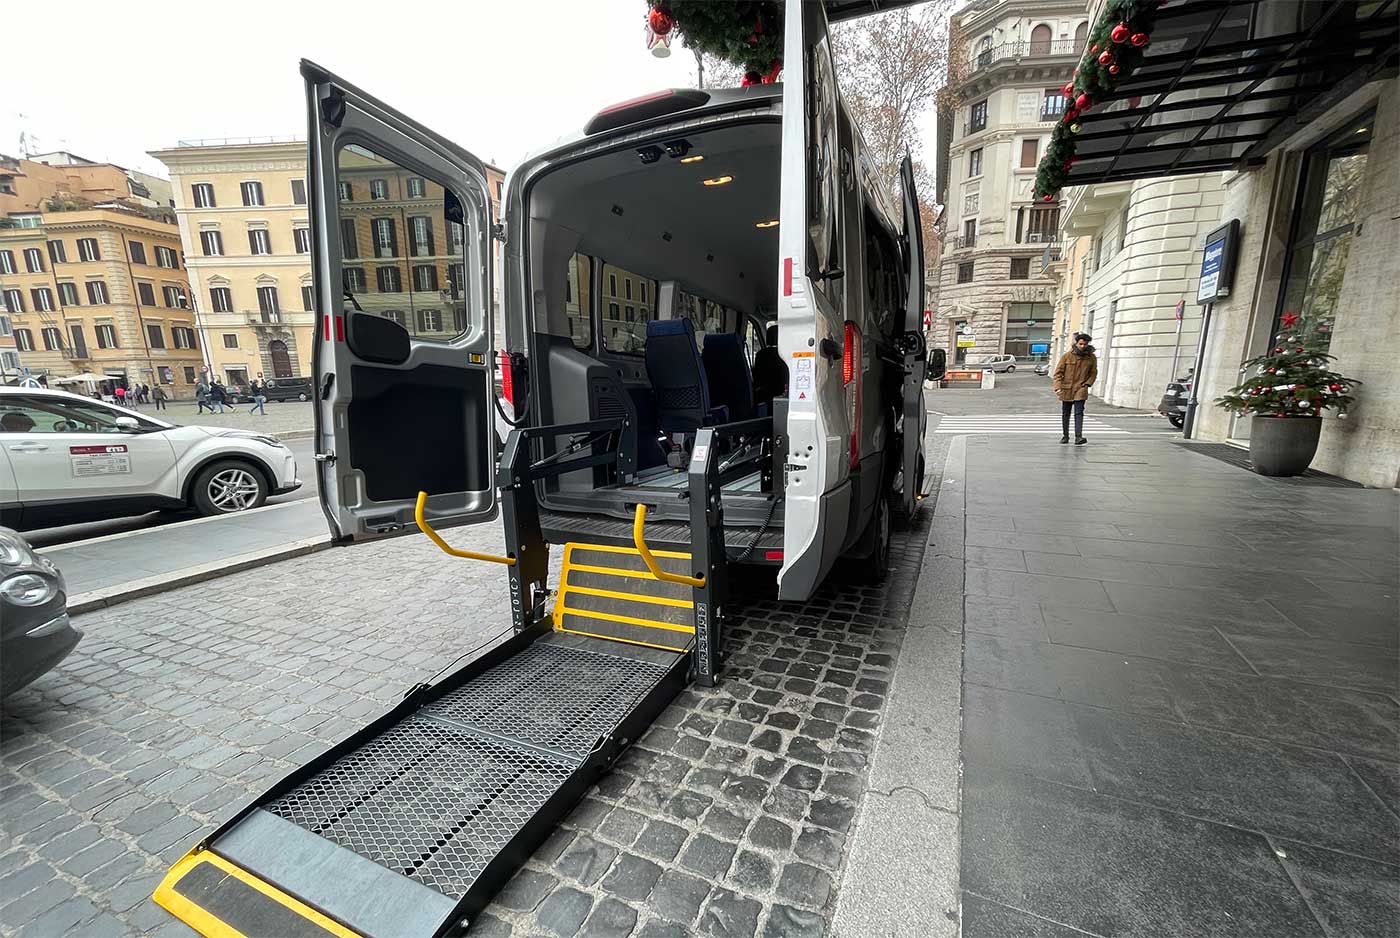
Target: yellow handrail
{"x": 639, "y": 538}
{"x": 448, "y": 548}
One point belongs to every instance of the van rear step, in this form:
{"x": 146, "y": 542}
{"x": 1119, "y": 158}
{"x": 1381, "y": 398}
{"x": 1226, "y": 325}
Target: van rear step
{"x": 411, "y": 825}
{"x": 559, "y": 527}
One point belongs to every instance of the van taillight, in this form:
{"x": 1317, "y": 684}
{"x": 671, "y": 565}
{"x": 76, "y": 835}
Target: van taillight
{"x": 507, "y": 378}
{"x": 851, "y": 354}
{"x": 850, "y": 370}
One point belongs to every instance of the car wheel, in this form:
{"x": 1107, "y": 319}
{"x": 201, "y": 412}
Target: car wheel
{"x": 1010, "y": 368}
{"x": 227, "y": 487}
{"x": 1177, "y": 420}
{"x": 876, "y": 567}
{"x": 302, "y": 396}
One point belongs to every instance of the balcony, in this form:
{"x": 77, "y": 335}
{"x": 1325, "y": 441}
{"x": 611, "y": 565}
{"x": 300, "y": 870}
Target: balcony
{"x": 1016, "y": 51}
{"x": 265, "y": 318}
{"x": 1052, "y": 110}
{"x": 963, "y": 242}
{"x": 1050, "y": 255}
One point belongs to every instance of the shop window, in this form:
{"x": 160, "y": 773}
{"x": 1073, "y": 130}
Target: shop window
{"x": 1324, "y": 222}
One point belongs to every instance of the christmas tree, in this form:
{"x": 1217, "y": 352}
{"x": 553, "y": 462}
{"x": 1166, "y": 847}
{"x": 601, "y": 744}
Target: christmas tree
{"x": 1291, "y": 380}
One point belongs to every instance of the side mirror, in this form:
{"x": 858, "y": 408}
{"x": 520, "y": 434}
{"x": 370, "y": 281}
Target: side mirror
{"x": 832, "y": 273}
{"x": 128, "y": 424}
{"x": 937, "y": 364}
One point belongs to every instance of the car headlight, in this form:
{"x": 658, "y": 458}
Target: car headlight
{"x": 28, "y": 589}
{"x": 13, "y": 551}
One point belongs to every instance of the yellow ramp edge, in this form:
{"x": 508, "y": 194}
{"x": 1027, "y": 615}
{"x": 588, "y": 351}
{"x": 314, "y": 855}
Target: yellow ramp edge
{"x": 187, "y": 910}
{"x": 637, "y": 599}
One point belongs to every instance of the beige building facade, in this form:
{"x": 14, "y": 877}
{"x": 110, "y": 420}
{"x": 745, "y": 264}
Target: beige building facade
{"x": 993, "y": 296}
{"x": 100, "y": 291}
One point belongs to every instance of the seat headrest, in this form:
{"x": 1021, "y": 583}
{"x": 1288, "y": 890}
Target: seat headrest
{"x": 721, "y": 340}
{"x": 656, "y": 327}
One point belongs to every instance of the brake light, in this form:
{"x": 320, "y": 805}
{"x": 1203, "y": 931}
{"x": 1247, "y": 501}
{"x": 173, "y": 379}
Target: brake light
{"x": 646, "y": 107}
{"x": 640, "y": 99}
{"x": 507, "y": 378}
{"x": 850, "y": 371}
{"x": 772, "y": 555}
{"x": 852, "y": 353}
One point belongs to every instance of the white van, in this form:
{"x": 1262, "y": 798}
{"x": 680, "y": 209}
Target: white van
{"x": 689, "y": 259}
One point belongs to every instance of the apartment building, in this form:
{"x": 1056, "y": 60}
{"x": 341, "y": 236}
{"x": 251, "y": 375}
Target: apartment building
{"x": 243, "y": 216}
{"x": 100, "y": 291}
{"x": 27, "y": 185}
{"x": 993, "y": 295}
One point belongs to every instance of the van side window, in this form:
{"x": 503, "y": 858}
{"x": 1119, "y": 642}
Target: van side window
{"x": 578, "y": 300}
{"x": 883, "y": 278}
{"x": 627, "y": 334}
{"x": 706, "y": 315}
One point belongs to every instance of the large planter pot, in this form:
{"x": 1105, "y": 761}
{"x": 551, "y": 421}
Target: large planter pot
{"x": 1283, "y": 446}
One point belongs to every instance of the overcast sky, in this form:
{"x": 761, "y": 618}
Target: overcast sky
{"x": 501, "y": 79}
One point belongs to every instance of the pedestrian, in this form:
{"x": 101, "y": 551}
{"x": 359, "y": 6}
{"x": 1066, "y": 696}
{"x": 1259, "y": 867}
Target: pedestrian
{"x": 158, "y": 395}
{"x": 145, "y": 393}
{"x": 120, "y": 394}
{"x": 258, "y": 390}
{"x": 1073, "y": 376}
{"x": 217, "y": 396}
{"x": 201, "y": 396}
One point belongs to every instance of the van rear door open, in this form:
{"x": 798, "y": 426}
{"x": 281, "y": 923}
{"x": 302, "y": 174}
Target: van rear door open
{"x": 915, "y": 417}
{"x": 402, "y": 348}
{"x": 811, "y": 318}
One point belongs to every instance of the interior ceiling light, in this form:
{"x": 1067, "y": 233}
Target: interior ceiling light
{"x": 692, "y": 158}
{"x": 771, "y": 223}
{"x": 719, "y": 181}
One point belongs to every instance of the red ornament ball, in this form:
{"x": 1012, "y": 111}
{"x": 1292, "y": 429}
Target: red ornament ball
{"x": 1068, "y": 89}
{"x": 1334, "y": 387}
{"x": 660, "y": 21}
{"x": 1278, "y": 351}
{"x": 1070, "y": 115}
{"x": 1094, "y": 48}
{"x": 1298, "y": 349}
{"x": 1113, "y": 69}
{"x": 1106, "y": 57}
{"x": 1120, "y": 33}
{"x": 1047, "y": 197}
{"x": 1140, "y": 39}
{"x": 751, "y": 78}
{"x": 1082, "y": 102}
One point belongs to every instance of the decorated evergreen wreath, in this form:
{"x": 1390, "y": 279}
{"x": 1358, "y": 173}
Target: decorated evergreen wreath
{"x": 1112, "y": 50}
{"x": 1292, "y": 380}
{"x": 748, "y": 33}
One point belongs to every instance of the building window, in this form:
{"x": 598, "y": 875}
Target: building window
{"x": 298, "y": 191}
{"x": 977, "y": 117}
{"x": 87, "y": 250}
{"x": 354, "y": 279}
{"x": 425, "y": 279}
{"x": 1324, "y": 223}
{"x": 389, "y": 279}
{"x": 347, "y": 191}
{"x": 106, "y": 335}
{"x": 167, "y": 258}
{"x": 969, "y": 236}
{"x": 7, "y": 262}
{"x": 308, "y": 298}
{"x": 301, "y": 239}
{"x": 189, "y": 374}
{"x": 33, "y": 261}
{"x": 643, "y": 286}
{"x": 386, "y": 242}
{"x": 53, "y": 338}
{"x": 203, "y": 193}
{"x": 221, "y": 299}
{"x": 155, "y": 337}
{"x": 68, "y": 294}
{"x": 1096, "y": 249}
{"x": 259, "y": 241}
{"x": 145, "y": 294}
{"x": 1044, "y": 224}
{"x": 974, "y": 163}
{"x": 175, "y": 297}
{"x": 614, "y": 311}
{"x": 10, "y": 360}
{"x": 183, "y": 336}
{"x": 416, "y": 187}
{"x": 1040, "y": 40}
{"x": 378, "y": 190}
{"x": 1052, "y": 106}
{"x": 212, "y": 243}
{"x": 1080, "y": 33}
{"x": 395, "y": 314}
{"x": 627, "y": 288}
{"x": 43, "y": 300}
{"x": 24, "y": 340}
{"x": 420, "y": 230}
{"x": 349, "y": 243}
{"x": 75, "y": 330}
{"x": 138, "y": 252}
{"x": 965, "y": 272}
{"x": 230, "y": 340}
{"x": 97, "y": 293}
{"x": 57, "y": 253}
{"x": 1020, "y": 268}
{"x": 457, "y": 273}
{"x": 1123, "y": 229}
{"x": 267, "y": 301}
{"x": 14, "y": 301}
{"x": 6, "y": 329}
{"x": 429, "y": 320}
{"x": 1030, "y": 152}
{"x": 252, "y": 193}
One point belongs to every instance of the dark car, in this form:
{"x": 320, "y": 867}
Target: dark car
{"x": 35, "y": 634}
{"x": 1042, "y": 368}
{"x": 288, "y": 389}
{"x": 1174, "y": 399}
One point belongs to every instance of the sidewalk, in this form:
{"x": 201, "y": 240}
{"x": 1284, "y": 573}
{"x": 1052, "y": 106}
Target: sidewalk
{"x": 284, "y": 419}
{"x": 1179, "y": 695}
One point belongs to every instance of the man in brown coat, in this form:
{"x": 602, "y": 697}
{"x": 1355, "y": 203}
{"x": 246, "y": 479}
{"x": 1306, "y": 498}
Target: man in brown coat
{"x": 1076, "y": 370}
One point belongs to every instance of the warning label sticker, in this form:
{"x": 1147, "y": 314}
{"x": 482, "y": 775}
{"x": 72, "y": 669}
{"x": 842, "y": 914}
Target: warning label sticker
{"x": 99, "y": 460}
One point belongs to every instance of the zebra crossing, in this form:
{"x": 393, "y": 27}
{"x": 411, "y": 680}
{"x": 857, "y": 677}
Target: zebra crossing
{"x": 1043, "y": 424}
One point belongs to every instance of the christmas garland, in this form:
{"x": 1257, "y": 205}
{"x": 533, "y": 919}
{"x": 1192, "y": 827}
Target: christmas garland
{"x": 1291, "y": 380}
{"x": 1113, "y": 49}
{"x": 748, "y": 33}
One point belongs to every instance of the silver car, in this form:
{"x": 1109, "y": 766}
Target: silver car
{"x": 997, "y": 363}
{"x": 35, "y": 634}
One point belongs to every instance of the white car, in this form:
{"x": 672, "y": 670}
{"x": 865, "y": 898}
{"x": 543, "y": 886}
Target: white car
{"x": 1002, "y": 364}
{"x": 66, "y": 459}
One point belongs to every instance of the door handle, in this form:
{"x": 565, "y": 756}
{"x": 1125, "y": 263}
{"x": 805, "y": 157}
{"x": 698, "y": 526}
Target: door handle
{"x": 28, "y": 447}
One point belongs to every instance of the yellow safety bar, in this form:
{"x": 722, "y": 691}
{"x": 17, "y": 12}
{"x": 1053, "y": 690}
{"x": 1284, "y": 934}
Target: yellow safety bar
{"x": 446, "y": 547}
{"x": 639, "y": 538}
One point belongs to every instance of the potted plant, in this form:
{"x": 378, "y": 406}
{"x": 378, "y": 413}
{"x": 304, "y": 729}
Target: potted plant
{"x": 1289, "y": 389}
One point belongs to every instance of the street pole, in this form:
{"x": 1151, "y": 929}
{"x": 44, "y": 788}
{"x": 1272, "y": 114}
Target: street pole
{"x": 1176, "y": 348}
{"x": 1189, "y": 423}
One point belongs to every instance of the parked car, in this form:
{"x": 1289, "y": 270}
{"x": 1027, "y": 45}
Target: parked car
{"x": 997, "y": 363}
{"x": 289, "y": 389}
{"x": 35, "y": 634}
{"x": 65, "y": 459}
{"x": 1042, "y": 368}
{"x": 1175, "y": 397}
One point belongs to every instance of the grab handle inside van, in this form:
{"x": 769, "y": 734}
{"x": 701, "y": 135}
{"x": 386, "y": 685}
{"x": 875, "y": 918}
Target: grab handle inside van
{"x": 639, "y": 538}
{"x": 446, "y": 547}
